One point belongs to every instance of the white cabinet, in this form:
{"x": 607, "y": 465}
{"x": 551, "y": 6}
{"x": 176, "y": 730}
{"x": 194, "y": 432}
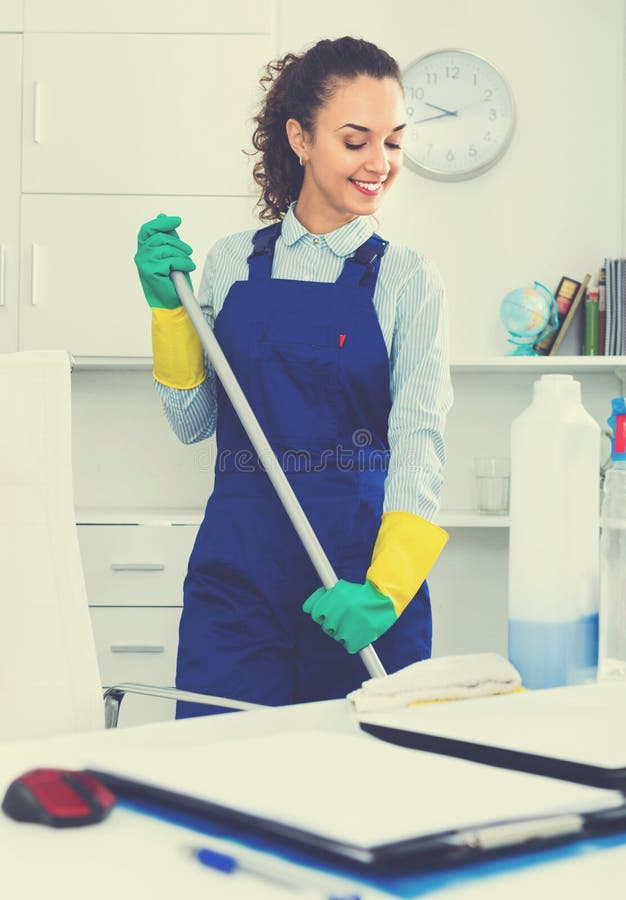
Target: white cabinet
{"x": 10, "y": 116}
{"x": 80, "y": 288}
{"x": 11, "y": 15}
{"x": 153, "y": 16}
{"x": 103, "y": 114}
{"x": 134, "y": 577}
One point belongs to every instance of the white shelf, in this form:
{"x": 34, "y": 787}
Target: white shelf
{"x": 112, "y": 363}
{"x": 462, "y": 365}
{"x": 568, "y": 364}
{"x": 470, "y": 518}
{"x": 448, "y": 518}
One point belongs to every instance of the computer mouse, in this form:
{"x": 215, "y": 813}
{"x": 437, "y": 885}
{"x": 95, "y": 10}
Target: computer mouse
{"x": 61, "y": 798}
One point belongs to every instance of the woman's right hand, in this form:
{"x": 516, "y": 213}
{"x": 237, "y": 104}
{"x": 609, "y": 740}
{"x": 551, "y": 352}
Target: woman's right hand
{"x": 160, "y": 251}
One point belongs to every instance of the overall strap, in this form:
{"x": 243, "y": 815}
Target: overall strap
{"x": 262, "y": 256}
{"x": 361, "y": 269}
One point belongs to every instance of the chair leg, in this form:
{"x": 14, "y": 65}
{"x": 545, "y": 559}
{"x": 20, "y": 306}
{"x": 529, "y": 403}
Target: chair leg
{"x": 112, "y": 701}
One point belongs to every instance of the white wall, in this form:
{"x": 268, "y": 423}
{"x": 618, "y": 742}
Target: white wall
{"x": 555, "y": 204}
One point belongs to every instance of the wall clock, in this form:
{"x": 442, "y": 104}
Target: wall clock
{"x": 461, "y": 115}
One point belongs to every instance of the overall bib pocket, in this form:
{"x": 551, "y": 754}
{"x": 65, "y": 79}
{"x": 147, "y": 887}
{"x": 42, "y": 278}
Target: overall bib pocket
{"x": 294, "y": 391}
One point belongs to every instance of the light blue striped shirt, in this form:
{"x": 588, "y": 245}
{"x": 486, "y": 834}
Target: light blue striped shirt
{"x": 411, "y": 306}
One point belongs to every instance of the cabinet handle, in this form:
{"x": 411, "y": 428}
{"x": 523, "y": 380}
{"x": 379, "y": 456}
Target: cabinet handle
{"x": 37, "y": 112}
{"x": 34, "y": 284}
{"x": 138, "y": 567}
{"x": 137, "y": 648}
{"x": 3, "y": 268}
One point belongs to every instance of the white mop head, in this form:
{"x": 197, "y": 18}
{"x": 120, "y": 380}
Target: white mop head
{"x": 443, "y": 678}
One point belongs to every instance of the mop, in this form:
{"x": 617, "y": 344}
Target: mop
{"x": 455, "y": 677}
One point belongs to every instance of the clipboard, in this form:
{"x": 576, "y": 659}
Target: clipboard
{"x": 363, "y": 826}
{"x": 575, "y": 734}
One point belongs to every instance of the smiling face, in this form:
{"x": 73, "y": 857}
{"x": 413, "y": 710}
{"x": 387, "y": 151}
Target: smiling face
{"x": 354, "y": 155}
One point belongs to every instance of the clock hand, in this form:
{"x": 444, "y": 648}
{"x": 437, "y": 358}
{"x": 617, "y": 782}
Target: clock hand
{"x": 448, "y": 112}
{"x": 430, "y": 118}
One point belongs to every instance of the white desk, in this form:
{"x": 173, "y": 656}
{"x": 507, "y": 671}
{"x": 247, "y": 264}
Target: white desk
{"x": 133, "y": 856}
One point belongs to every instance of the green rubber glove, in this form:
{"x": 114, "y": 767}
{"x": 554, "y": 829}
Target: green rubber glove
{"x": 160, "y": 251}
{"x": 353, "y": 614}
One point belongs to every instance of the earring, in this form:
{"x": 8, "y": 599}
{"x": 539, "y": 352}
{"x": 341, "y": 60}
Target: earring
{"x": 301, "y": 162}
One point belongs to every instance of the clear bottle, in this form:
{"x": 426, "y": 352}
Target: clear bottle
{"x": 554, "y": 537}
{"x": 612, "y": 653}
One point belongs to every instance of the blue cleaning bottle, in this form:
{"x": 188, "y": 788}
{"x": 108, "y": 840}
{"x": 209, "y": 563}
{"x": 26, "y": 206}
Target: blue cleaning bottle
{"x": 554, "y": 537}
{"x": 612, "y": 651}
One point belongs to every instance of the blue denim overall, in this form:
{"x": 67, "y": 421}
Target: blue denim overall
{"x": 311, "y": 359}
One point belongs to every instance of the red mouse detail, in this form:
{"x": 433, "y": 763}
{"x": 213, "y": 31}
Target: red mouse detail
{"x": 57, "y": 797}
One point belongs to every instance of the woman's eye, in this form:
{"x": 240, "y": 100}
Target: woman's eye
{"x": 359, "y": 146}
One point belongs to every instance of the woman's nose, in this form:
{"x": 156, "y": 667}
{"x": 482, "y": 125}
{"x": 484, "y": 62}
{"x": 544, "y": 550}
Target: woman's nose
{"x": 378, "y": 161}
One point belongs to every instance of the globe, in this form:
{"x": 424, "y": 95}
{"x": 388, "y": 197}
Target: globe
{"x": 529, "y": 314}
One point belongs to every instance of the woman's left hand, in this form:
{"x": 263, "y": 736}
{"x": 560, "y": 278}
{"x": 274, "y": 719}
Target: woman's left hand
{"x": 353, "y": 614}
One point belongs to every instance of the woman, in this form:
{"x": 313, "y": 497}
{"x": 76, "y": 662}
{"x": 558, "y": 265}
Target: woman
{"x": 339, "y": 342}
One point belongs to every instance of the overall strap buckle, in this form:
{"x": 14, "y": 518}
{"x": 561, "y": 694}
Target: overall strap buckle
{"x": 264, "y": 239}
{"x": 369, "y": 255}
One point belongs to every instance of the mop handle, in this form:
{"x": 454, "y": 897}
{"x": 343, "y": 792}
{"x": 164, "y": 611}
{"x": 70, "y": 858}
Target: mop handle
{"x": 265, "y": 453}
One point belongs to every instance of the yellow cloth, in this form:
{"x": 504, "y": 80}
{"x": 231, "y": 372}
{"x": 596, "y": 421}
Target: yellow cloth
{"x": 176, "y": 349}
{"x": 405, "y": 551}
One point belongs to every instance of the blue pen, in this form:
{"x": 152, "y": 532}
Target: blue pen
{"x": 265, "y": 868}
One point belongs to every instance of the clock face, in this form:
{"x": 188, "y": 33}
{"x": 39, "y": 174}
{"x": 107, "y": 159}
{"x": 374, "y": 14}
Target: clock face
{"x": 461, "y": 115}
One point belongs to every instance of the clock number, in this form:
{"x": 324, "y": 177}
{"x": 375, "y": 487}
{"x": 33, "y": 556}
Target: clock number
{"x": 450, "y": 156}
{"x": 487, "y": 136}
{"x": 493, "y": 114}
{"x": 471, "y": 150}
{"x": 410, "y": 110}
{"x": 487, "y": 95}
{"x": 452, "y": 71}
{"x": 417, "y": 93}
{"x": 429, "y": 147}
{"x": 431, "y": 78}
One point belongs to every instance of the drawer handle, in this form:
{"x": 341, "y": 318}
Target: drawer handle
{"x": 138, "y": 567}
{"x": 37, "y": 112}
{"x": 137, "y": 648}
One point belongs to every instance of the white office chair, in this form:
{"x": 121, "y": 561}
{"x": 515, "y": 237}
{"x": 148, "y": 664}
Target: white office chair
{"x": 49, "y": 677}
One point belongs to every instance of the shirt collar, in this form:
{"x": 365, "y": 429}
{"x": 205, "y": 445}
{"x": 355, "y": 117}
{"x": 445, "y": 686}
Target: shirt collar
{"x": 343, "y": 241}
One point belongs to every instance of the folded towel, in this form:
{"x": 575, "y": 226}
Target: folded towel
{"x": 443, "y": 678}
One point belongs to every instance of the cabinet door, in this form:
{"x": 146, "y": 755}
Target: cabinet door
{"x": 10, "y": 114}
{"x": 11, "y": 16}
{"x": 135, "y": 565}
{"x": 138, "y": 645}
{"x": 148, "y": 16}
{"x": 80, "y": 288}
{"x": 140, "y": 113}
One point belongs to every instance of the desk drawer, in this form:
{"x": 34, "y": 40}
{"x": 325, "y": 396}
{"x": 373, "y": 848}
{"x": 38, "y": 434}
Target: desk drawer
{"x": 135, "y": 565}
{"x": 136, "y": 644}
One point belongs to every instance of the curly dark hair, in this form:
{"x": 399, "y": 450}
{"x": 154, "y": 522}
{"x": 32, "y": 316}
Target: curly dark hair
{"x": 297, "y": 87}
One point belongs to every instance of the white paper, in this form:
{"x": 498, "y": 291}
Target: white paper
{"x": 583, "y": 724}
{"x": 353, "y": 789}
{"x": 48, "y": 668}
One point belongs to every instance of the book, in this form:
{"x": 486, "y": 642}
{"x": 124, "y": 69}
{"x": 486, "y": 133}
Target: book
{"x": 577, "y": 733}
{"x": 569, "y": 316}
{"x": 601, "y": 310}
{"x": 590, "y": 347}
{"x": 564, "y": 294}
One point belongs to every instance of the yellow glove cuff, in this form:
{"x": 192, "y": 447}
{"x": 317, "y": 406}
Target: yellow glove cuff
{"x": 176, "y": 349}
{"x": 405, "y": 551}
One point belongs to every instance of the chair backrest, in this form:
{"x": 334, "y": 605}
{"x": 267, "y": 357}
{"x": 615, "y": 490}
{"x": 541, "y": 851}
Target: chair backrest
{"x": 49, "y": 678}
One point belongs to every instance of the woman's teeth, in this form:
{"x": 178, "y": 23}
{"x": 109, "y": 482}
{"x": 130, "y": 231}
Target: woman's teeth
{"x": 366, "y": 187}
